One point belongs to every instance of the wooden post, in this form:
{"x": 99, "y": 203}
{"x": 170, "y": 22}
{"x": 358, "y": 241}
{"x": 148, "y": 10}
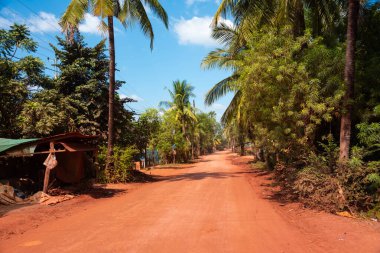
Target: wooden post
{"x": 48, "y": 169}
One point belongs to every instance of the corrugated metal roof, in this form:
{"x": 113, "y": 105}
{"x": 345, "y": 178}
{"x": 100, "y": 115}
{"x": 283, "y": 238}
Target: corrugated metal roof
{"x": 12, "y": 144}
{"x": 6, "y": 144}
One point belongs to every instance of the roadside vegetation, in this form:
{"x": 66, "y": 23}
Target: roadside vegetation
{"x": 307, "y": 95}
{"x": 304, "y": 75}
{"x": 76, "y": 100}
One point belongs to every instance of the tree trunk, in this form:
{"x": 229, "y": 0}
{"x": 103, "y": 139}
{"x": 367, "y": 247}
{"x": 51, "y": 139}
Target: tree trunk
{"x": 349, "y": 79}
{"x": 186, "y": 137}
{"x": 241, "y": 139}
{"x": 299, "y": 19}
{"x": 111, "y": 94}
{"x": 145, "y": 157}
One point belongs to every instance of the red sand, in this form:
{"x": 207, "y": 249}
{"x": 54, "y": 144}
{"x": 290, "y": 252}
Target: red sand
{"x": 214, "y": 205}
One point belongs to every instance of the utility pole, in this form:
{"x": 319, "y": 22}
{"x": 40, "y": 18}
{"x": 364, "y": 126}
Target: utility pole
{"x": 55, "y": 66}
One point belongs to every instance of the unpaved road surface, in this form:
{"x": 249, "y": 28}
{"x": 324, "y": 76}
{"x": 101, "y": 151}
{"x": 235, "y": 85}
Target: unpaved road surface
{"x": 214, "y": 205}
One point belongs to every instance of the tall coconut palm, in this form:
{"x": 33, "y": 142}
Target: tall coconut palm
{"x": 349, "y": 79}
{"x": 127, "y": 12}
{"x": 180, "y": 103}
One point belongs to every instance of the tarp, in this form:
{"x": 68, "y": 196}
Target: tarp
{"x": 6, "y": 144}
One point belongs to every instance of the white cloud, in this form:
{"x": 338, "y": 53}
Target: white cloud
{"x": 47, "y": 22}
{"x": 218, "y": 107}
{"x": 196, "y": 31}
{"x": 137, "y": 98}
{"x": 5, "y": 23}
{"x": 191, "y": 2}
{"x": 44, "y": 23}
{"x": 122, "y": 96}
{"x": 133, "y": 96}
{"x": 90, "y": 24}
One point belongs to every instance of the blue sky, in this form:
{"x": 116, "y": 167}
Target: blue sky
{"x": 177, "y": 52}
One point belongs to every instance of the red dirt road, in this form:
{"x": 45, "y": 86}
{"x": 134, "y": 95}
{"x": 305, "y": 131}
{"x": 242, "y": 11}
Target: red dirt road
{"x": 215, "y": 205}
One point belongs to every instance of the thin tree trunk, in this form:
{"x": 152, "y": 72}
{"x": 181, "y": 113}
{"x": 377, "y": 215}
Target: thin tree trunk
{"x": 111, "y": 94}
{"x": 145, "y": 157}
{"x": 349, "y": 79}
{"x": 241, "y": 139}
{"x": 186, "y": 137}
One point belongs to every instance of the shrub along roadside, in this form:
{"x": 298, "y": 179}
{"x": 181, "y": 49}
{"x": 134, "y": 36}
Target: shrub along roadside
{"x": 123, "y": 160}
{"x": 325, "y": 184}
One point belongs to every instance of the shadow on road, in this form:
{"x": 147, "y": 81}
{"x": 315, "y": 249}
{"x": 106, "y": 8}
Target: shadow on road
{"x": 273, "y": 192}
{"x": 5, "y": 209}
{"x": 100, "y": 192}
{"x": 198, "y": 176}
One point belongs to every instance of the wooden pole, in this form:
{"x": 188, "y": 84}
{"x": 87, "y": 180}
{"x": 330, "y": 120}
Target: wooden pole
{"x": 48, "y": 169}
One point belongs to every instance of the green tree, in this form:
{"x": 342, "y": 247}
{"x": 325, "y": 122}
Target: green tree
{"x": 77, "y": 99}
{"x": 170, "y": 135}
{"x": 18, "y": 76}
{"x": 180, "y": 104}
{"x": 147, "y": 129}
{"x": 208, "y": 129}
{"x": 126, "y": 11}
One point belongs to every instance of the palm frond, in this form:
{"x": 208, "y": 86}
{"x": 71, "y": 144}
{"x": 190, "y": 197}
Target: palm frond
{"x": 220, "y": 89}
{"x": 165, "y": 104}
{"x": 138, "y": 13}
{"x": 189, "y": 114}
{"x": 224, "y": 8}
{"x": 219, "y": 58}
{"x": 73, "y": 14}
{"x": 232, "y": 109}
{"x": 224, "y": 33}
{"x": 103, "y": 8}
{"x": 158, "y": 10}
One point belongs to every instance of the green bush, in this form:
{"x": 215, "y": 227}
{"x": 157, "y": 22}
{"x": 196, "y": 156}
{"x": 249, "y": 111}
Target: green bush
{"x": 123, "y": 164}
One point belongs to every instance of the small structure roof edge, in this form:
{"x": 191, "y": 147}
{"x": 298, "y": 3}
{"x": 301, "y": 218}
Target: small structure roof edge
{"x": 10, "y": 144}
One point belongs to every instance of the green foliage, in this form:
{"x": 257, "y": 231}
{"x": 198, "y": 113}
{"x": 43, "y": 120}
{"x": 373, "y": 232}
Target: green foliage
{"x": 283, "y": 101}
{"x": 123, "y": 164}
{"x": 369, "y": 135}
{"x": 147, "y": 128}
{"x": 287, "y": 60}
{"x": 18, "y": 76}
{"x": 171, "y": 134}
{"x": 126, "y": 11}
{"x": 209, "y": 132}
{"x": 17, "y": 37}
{"x": 77, "y": 100}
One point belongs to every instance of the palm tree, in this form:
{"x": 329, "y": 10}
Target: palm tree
{"x": 234, "y": 40}
{"x": 127, "y": 12}
{"x": 180, "y": 103}
{"x": 349, "y": 79}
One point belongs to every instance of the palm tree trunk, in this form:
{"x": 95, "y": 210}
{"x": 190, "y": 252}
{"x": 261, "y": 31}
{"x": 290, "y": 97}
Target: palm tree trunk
{"x": 349, "y": 79}
{"x": 299, "y": 19}
{"x": 241, "y": 137}
{"x": 111, "y": 94}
